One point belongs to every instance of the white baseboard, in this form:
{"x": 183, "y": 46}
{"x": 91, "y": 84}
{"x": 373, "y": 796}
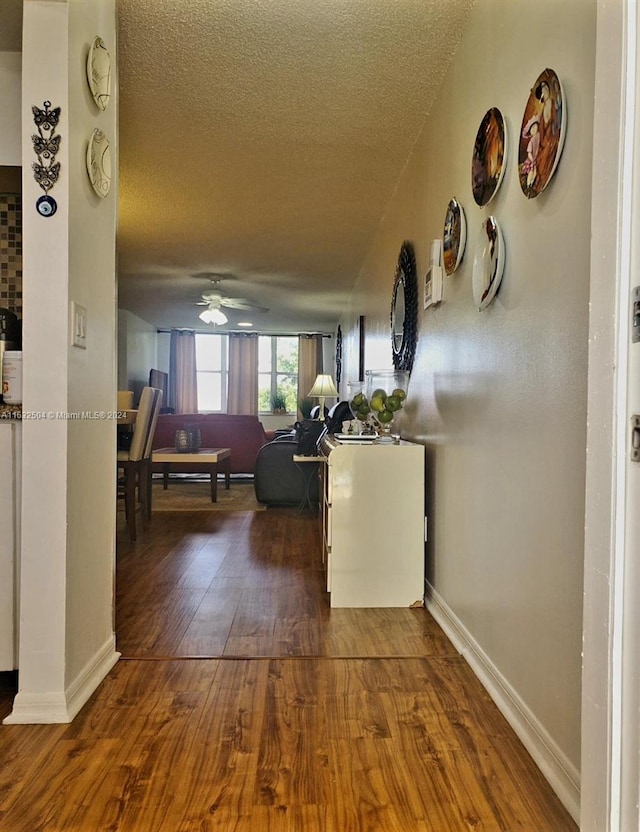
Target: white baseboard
{"x": 562, "y": 775}
{"x": 54, "y": 707}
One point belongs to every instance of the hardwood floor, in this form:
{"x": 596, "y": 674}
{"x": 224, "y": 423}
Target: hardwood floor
{"x": 243, "y": 702}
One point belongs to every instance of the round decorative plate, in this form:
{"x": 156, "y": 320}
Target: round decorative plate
{"x": 489, "y": 157}
{"x": 488, "y": 263}
{"x": 99, "y": 73}
{"x": 99, "y": 163}
{"x": 454, "y": 237}
{"x": 544, "y": 125}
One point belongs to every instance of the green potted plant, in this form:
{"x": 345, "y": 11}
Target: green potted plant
{"x": 305, "y": 406}
{"x": 279, "y": 403}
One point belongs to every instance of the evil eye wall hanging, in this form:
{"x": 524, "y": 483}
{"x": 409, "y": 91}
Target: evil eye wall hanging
{"x": 46, "y": 144}
{"x": 46, "y": 206}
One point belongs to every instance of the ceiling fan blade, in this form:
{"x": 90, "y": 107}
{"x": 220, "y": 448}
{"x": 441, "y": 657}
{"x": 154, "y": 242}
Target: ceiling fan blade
{"x": 212, "y": 297}
{"x": 216, "y": 298}
{"x": 240, "y": 303}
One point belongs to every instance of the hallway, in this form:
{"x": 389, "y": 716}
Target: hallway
{"x": 243, "y": 702}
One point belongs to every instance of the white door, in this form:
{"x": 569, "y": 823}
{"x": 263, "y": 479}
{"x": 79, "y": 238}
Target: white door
{"x": 610, "y": 777}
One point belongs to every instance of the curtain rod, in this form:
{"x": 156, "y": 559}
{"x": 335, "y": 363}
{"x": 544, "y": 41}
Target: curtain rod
{"x": 247, "y": 332}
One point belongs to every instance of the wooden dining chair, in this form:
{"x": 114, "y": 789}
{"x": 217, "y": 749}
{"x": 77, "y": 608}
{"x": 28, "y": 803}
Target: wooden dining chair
{"x": 148, "y": 451}
{"x": 135, "y": 464}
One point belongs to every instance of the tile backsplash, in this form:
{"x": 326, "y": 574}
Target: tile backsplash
{"x": 11, "y": 253}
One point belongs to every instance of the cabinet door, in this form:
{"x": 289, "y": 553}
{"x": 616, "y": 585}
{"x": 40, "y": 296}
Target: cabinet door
{"x": 377, "y": 525}
{"x": 325, "y": 513}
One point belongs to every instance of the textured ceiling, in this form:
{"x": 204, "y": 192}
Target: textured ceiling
{"x": 262, "y": 139}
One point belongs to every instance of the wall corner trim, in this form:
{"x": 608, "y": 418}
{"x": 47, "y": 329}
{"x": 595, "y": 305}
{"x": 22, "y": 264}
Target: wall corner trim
{"x": 561, "y": 774}
{"x": 59, "y": 707}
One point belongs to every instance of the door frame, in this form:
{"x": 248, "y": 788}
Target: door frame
{"x": 611, "y": 661}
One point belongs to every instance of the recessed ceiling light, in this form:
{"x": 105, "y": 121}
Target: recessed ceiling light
{"x": 245, "y": 323}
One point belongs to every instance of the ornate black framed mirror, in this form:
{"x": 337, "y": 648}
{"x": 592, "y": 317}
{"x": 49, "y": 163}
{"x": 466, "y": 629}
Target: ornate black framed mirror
{"x": 397, "y": 316}
{"x": 404, "y": 309}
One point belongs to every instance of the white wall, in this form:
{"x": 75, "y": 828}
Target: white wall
{"x": 67, "y": 642}
{"x": 499, "y": 396}
{"x": 137, "y": 352}
{"x": 10, "y": 97}
{"x": 92, "y": 372}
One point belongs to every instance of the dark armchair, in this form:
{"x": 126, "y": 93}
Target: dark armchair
{"x": 278, "y": 480}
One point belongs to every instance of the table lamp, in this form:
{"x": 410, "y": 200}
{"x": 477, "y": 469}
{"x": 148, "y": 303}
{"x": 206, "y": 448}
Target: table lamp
{"x": 323, "y": 388}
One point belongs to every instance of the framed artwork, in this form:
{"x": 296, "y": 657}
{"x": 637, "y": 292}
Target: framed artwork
{"x": 454, "y": 237}
{"x": 361, "y": 348}
{"x": 544, "y": 124}
{"x": 488, "y": 263}
{"x": 489, "y": 157}
{"x": 338, "y": 355}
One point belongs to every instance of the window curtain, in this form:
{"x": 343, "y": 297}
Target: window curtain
{"x": 309, "y": 364}
{"x": 183, "y": 385}
{"x": 243, "y": 374}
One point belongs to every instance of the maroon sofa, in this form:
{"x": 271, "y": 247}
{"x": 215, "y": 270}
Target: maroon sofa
{"x": 245, "y": 435}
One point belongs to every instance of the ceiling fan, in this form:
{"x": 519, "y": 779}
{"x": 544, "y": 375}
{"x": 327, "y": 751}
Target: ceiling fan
{"x": 214, "y": 299}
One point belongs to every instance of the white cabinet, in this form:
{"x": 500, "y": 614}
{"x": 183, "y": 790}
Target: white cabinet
{"x": 373, "y": 523}
{"x": 10, "y": 439}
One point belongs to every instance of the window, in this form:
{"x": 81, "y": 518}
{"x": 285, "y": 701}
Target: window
{"x": 277, "y": 372}
{"x": 212, "y": 370}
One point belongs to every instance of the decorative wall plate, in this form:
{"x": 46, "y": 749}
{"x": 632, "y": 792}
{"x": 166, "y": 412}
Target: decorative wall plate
{"x": 454, "y": 237}
{"x": 489, "y": 157}
{"x": 99, "y": 73}
{"x": 544, "y": 125}
{"x": 99, "y": 163}
{"x": 488, "y": 263}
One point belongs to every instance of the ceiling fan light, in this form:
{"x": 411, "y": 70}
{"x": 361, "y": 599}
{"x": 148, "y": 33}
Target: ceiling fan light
{"x": 213, "y": 316}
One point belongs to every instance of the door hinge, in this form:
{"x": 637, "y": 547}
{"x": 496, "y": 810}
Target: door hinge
{"x": 635, "y": 438}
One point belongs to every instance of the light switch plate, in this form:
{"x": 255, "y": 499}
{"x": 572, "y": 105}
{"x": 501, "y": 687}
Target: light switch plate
{"x": 433, "y": 286}
{"x": 78, "y": 326}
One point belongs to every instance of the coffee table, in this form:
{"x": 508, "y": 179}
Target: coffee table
{"x": 204, "y": 459}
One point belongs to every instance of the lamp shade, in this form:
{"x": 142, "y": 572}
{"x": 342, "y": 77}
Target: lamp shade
{"x": 323, "y": 387}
